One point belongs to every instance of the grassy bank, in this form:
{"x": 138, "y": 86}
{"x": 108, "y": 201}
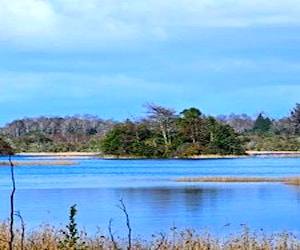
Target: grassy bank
{"x": 50, "y": 238}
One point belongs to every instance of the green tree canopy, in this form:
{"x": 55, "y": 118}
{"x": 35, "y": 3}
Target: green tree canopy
{"x": 223, "y": 139}
{"x": 5, "y": 148}
{"x": 192, "y": 125}
{"x": 163, "y": 134}
{"x": 295, "y": 119}
{"x": 262, "y": 124}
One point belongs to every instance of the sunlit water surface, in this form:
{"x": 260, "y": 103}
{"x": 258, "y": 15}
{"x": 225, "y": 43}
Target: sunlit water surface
{"x": 154, "y": 201}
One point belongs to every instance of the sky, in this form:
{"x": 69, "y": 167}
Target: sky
{"x": 111, "y": 57}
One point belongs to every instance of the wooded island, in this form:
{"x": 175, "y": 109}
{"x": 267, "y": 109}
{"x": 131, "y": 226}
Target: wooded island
{"x": 162, "y": 133}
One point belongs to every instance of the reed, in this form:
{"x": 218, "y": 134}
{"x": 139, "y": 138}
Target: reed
{"x": 228, "y": 179}
{"x": 48, "y": 237}
{"x": 39, "y": 163}
{"x": 231, "y": 179}
{"x": 292, "y": 181}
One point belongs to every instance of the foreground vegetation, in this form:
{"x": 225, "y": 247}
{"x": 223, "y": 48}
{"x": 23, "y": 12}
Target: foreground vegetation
{"x": 50, "y": 238}
{"x": 163, "y": 132}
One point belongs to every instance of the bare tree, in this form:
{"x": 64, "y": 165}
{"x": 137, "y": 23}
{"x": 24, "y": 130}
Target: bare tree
{"x": 124, "y": 209}
{"x": 241, "y": 123}
{"x": 163, "y": 119}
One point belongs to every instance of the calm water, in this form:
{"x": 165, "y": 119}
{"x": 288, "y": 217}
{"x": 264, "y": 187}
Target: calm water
{"x": 154, "y": 201}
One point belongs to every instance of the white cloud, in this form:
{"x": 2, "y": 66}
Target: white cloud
{"x": 22, "y": 18}
{"x": 98, "y": 23}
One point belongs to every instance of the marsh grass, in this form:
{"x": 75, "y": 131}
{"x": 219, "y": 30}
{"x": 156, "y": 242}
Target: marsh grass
{"x": 292, "y": 181}
{"x": 50, "y": 238}
{"x": 228, "y": 179}
{"x": 286, "y": 180}
{"x": 39, "y": 163}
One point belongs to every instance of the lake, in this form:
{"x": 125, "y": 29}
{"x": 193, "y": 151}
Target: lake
{"x": 154, "y": 201}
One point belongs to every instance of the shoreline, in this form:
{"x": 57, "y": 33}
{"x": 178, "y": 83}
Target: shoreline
{"x": 249, "y": 154}
{"x": 61, "y": 154}
{"x": 272, "y": 154}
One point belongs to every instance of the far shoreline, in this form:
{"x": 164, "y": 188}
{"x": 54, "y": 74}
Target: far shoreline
{"x": 61, "y": 154}
{"x": 249, "y": 154}
{"x": 272, "y": 154}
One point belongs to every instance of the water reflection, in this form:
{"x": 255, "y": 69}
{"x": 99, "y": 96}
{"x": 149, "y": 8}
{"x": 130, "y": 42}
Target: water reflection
{"x": 257, "y": 205}
{"x": 163, "y": 199}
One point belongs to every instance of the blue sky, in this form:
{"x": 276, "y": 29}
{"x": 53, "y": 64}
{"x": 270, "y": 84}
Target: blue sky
{"x": 110, "y": 57}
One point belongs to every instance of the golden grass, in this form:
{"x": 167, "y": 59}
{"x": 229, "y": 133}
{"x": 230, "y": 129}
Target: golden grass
{"x": 228, "y": 179}
{"x": 287, "y": 180}
{"x": 292, "y": 181}
{"x": 50, "y": 238}
{"x": 39, "y": 163}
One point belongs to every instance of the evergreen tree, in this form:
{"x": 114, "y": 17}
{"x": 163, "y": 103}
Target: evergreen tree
{"x": 191, "y": 123}
{"x": 223, "y": 139}
{"x": 262, "y": 125}
{"x": 295, "y": 119}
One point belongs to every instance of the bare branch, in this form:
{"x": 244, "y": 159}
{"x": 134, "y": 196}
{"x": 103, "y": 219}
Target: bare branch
{"x": 111, "y": 234}
{"x": 12, "y": 205}
{"x": 18, "y": 214}
{"x": 123, "y": 208}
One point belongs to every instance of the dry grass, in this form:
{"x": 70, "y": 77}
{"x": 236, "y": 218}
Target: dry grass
{"x": 292, "y": 181}
{"x": 286, "y": 180}
{"x": 228, "y": 179}
{"x": 47, "y": 237}
{"x": 39, "y": 163}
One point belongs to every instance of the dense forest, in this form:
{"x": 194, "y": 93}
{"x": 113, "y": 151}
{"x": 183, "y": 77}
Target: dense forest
{"x": 163, "y": 132}
{"x": 56, "y": 134}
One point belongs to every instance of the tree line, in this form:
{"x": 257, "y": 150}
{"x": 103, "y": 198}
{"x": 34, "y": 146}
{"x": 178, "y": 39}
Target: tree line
{"x": 163, "y": 132}
{"x": 56, "y": 134}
